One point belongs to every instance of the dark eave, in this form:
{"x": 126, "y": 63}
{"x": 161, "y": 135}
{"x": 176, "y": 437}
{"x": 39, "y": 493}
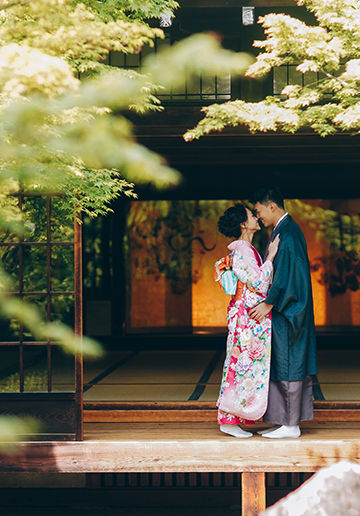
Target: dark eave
{"x": 231, "y": 4}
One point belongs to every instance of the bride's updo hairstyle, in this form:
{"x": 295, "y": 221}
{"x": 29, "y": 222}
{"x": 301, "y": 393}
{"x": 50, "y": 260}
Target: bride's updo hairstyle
{"x": 229, "y": 222}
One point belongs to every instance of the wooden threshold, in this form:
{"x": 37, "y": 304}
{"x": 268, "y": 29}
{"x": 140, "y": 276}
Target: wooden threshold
{"x": 196, "y": 412}
{"x": 148, "y": 416}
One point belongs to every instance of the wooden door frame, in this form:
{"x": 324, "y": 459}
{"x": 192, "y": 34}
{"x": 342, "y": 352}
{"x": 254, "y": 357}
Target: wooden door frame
{"x": 79, "y": 417}
{"x": 61, "y": 413}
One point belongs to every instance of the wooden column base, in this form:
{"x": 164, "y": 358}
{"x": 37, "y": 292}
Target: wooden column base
{"x": 253, "y": 499}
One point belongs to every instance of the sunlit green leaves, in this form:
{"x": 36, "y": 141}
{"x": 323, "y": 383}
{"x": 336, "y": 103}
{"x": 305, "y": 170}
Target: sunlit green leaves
{"x": 12, "y": 307}
{"x": 331, "y": 102}
{"x": 14, "y": 429}
{"x": 131, "y": 9}
{"x": 196, "y": 55}
{"x": 25, "y": 70}
{"x": 261, "y": 116}
{"x": 72, "y": 138}
{"x": 72, "y": 32}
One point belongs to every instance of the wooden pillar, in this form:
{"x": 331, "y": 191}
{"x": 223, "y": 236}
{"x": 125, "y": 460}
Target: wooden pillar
{"x": 252, "y": 494}
{"x": 79, "y": 417}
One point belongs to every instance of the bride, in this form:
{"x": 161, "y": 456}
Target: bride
{"x": 244, "y": 387}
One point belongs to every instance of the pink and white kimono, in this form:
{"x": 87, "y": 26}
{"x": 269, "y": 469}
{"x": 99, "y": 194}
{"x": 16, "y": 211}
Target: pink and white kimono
{"x": 244, "y": 389}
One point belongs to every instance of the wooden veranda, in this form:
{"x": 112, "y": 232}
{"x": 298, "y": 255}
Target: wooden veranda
{"x": 187, "y": 448}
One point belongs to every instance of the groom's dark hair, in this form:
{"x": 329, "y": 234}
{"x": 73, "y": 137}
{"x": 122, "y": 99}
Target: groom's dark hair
{"x": 268, "y": 194}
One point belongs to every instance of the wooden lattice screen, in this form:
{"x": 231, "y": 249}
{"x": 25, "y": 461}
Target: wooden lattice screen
{"x": 44, "y": 264}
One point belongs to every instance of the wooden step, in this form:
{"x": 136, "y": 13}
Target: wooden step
{"x": 193, "y": 412}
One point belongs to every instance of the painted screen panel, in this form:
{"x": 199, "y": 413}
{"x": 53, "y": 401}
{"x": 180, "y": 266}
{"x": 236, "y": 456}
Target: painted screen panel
{"x": 171, "y": 248}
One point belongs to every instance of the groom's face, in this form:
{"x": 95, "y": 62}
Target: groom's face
{"x": 265, "y": 214}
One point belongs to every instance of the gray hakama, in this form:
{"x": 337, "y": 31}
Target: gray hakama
{"x": 289, "y": 402}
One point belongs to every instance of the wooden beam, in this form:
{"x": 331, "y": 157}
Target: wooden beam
{"x": 337, "y": 415}
{"x": 149, "y": 416}
{"x": 194, "y": 416}
{"x": 196, "y": 405}
{"x": 253, "y": 499}
{"x": 235, "y": 149}
{"x": 153, "y": 405}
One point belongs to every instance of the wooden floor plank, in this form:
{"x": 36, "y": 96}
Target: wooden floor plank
{"x": 209, "y": 431}
{"x": 186, "y": 447}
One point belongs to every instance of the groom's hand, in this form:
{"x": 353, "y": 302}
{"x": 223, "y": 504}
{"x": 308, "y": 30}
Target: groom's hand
{"x": 260, "y": 311}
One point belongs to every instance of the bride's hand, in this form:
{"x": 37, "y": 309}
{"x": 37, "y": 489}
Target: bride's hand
{"x": 273, "y": 248}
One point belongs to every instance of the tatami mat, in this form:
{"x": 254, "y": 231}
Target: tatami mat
{"x": 183, "y": 367}
{"x": 211, "y": 393}
{"x": 63, "y": 370}
{"x": 339, "y": 366}
{"x": 139, "y": 393}
{"x": 93, "y": 368}
{"x": 215, "y": 378}
{"x": 63, "y": 387}
{"x": 341, "y": 392}
{"x": 180, "y": 375}
{"x": 174, "y": 376}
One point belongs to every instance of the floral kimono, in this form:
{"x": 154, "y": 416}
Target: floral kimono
{"x": 244, "y": 388}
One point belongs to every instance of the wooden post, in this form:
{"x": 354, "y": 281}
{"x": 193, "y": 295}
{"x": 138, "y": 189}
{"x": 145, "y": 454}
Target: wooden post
{"x": 79, "y": 417}
{"x": 252, "y": 494}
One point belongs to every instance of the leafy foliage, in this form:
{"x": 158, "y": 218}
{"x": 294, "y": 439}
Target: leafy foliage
{"x": 14, "y": 308}
{"x": 71, "y": 137}
{"x": 13, "y": 429}
{"x": 331, "y": 49}
{"x": 132, "y": 9}
{"x": 75, "y": 32}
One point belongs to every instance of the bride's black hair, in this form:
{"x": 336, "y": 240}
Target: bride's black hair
{"x": 229, "y": 222}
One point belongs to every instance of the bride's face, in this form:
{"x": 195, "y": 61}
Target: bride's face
{"x": 252, "y": 223}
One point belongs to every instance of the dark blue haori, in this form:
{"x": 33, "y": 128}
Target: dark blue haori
{"x": 293, "y": 355}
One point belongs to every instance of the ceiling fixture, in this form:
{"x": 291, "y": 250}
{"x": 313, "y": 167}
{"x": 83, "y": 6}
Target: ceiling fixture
{"x": 166, "y": 19}
{"x": 248, "y": 15}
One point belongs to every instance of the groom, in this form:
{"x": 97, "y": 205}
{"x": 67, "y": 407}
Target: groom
{"x": 293, "y": 356}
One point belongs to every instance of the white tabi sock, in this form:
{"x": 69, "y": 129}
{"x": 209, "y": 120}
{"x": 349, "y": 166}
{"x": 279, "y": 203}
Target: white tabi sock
{"x": 284, "y": 432}
{"x": 235, "y": 431}
{"x": 267, "y": 430}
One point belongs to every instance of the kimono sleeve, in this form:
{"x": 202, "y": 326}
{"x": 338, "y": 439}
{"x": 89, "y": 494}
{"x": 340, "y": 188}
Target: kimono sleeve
{"x": 247, "y": 270}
